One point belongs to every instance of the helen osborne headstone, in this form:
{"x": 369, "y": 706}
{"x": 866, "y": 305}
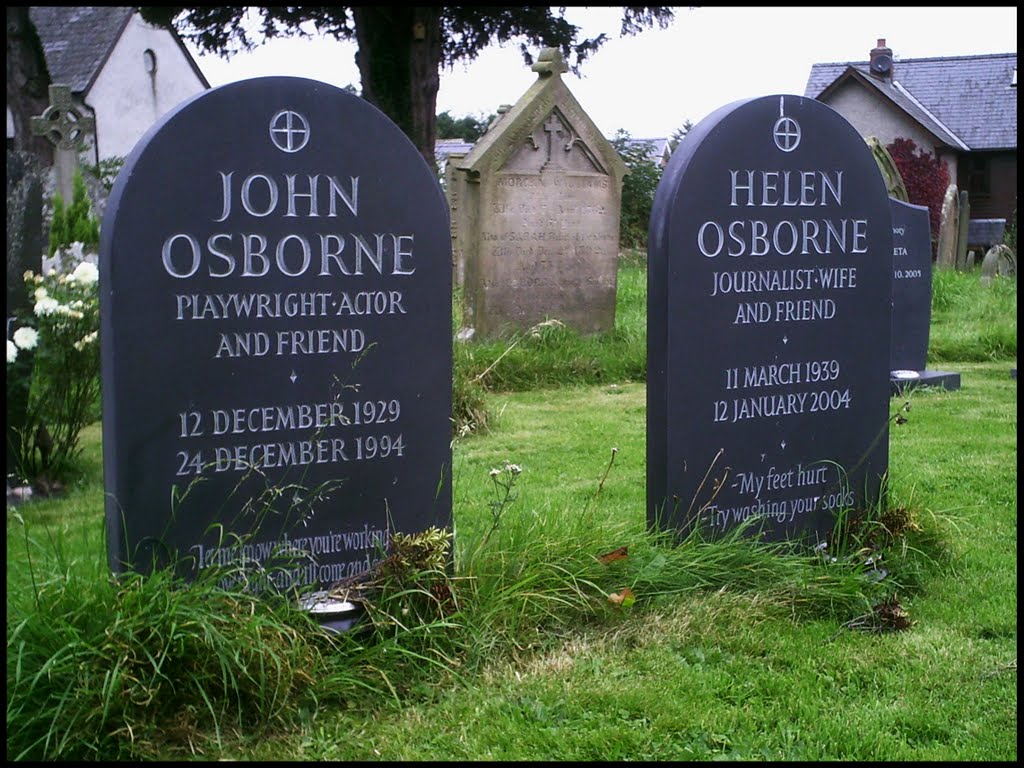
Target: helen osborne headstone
{"x": 769, "y": 311}
{"x": 276, "y": 336}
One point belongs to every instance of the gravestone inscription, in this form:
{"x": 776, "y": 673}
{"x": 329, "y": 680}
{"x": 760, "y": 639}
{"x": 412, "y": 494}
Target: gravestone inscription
{"x": 912, "y": 301}
{"x": 769, "y": 312}
{"x": 911, "y": 286}
{"x": 276, "y": 337}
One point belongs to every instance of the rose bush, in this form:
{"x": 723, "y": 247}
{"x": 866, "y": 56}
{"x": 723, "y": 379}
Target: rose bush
{"x": 53, "y": 362}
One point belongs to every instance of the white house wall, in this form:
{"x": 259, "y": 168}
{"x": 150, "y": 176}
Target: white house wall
{"x": 872, "y": 115}
{"x": 127, "y": 99}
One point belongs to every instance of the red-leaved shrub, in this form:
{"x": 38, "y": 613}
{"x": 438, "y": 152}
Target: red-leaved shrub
{"x": 925, "y": 176}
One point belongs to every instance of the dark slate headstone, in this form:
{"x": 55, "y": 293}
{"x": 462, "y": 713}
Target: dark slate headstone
{"x": 769, "y": 315}
{"x": 911, "y": 285}
{"x": 275, "y": 335}
{"x": 912, "y": 301}
{"x": 985, "y": 232}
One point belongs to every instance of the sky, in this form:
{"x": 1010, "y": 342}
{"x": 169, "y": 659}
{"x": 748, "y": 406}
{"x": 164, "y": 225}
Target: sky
{"x": 651, "y": 83}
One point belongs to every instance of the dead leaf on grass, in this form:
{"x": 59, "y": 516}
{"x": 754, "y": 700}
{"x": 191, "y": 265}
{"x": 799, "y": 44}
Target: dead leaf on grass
{"x": 611, "y": 557}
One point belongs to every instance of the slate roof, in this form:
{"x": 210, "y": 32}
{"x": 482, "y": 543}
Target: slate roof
{"x": 77, "y": 40}
{"x": 966, "y": 101}
{"x": 444, "y": 147}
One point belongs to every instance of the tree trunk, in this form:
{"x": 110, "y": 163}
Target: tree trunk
{"x": 399, "y": 61}
{"x": 28, "y": 83}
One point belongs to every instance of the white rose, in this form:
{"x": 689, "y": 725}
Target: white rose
{"x": 26, "y": 338}
{"x": 46, "y": 306}
{"x": 86, "y": 273}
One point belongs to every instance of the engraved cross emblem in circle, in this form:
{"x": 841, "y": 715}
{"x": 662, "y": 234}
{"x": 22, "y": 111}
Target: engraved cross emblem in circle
{"x": 786, "y": 130}
{"x": 289, "y": 131}
{"x": 787, "y": 134}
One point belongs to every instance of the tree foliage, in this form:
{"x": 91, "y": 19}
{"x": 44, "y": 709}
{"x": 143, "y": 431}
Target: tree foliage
{"x": 467, "y": 127}
{"x": 28, "y": 82}
{"x": 401, "y": 49}
{"x": 638, "y": 189}
{"x": 925, "y": 176}
{"x": 679, "y": 134}
{"x": 75, "y": 222}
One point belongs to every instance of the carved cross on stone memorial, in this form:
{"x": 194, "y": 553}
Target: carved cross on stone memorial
{"x": 554, "y": 129}
{"x": 65, "y": 126}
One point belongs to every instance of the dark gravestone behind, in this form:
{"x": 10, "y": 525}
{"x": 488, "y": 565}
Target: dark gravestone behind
{"x": 276, "y": 314}
{"x": 911, "y": 286}
{"x": 912, "y": 301}
{"x": 769, "y": 311}
{"x": 24, "y": 252}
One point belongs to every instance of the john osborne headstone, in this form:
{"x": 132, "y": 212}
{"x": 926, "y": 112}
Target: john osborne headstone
{"x": 276, "y": 336}
{"x": 538, "y": 202}
{"x": 769, "y": 310}
{"x": 912, "y": 300}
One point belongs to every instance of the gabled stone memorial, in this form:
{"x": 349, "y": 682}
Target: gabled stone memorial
{"x": 769, "y": 321}
{"x": 275, "y": 337}
{"x": 536, "y": 207}
{"x": 912, "y": 301}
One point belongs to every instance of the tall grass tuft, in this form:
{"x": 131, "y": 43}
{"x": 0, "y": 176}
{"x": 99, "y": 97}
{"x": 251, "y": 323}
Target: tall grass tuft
{"x": 102, "y": 667}
{"x": 538, "y": 574}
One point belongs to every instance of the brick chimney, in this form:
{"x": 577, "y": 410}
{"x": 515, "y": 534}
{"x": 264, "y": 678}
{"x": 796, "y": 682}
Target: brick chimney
{"x": 880, "y": 64}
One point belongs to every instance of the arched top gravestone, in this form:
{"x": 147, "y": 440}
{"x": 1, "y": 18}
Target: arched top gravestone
{"x": 276, "y": 336}
{"x": 769, "y": 304}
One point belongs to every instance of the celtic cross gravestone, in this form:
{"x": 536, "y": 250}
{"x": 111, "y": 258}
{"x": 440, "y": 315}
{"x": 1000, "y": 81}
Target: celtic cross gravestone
{"x": 65, "y": 126}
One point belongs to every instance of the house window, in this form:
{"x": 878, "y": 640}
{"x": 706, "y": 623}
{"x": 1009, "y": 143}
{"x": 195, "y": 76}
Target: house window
{"x": 149, "y": 59}
{"x": 979, "y": 176}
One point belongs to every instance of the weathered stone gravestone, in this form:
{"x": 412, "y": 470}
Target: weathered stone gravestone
{"x": 453, "y": 192}
{"x": 963, "y": 232}
{"x": 276, "y": 337}
{"x": 769, "y": 317}
{"x": 538, "y": 222}
{"x": 949, "y": 229}
{"x": 912, "y": 301}
{"x": 999, "y": 261}
{"x": 887, "y": 167}
{"x": 66, "y": 127}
